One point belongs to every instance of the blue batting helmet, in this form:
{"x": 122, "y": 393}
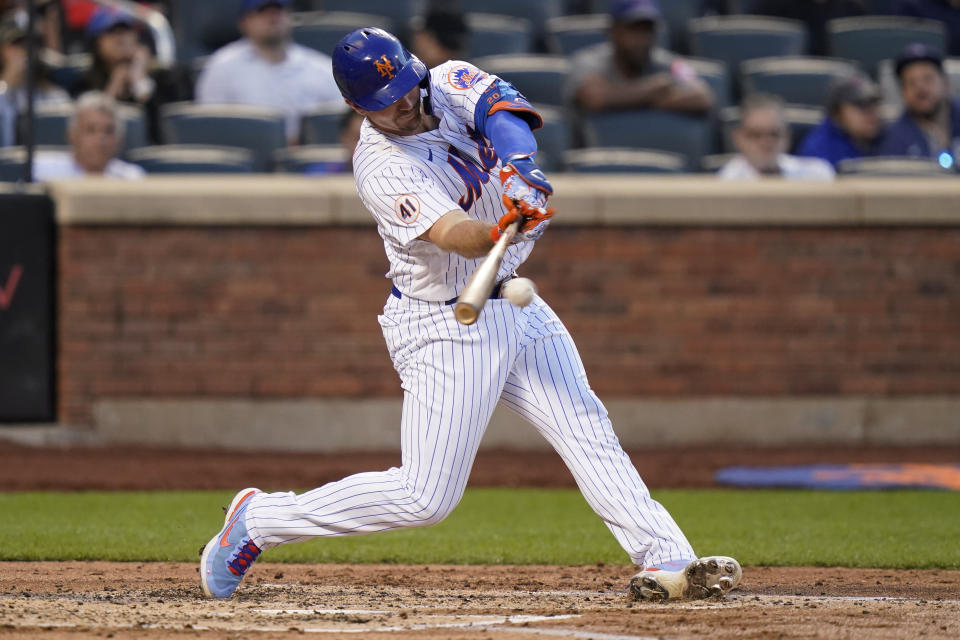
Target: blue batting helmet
{"x": 373, "y": 70}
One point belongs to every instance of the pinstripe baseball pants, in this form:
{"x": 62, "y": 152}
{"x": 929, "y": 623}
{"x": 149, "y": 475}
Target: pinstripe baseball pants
{"x": 452, "y": 377}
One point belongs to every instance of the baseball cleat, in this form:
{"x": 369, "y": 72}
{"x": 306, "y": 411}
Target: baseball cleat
{"x": 709, "y": 577}
{"x": 225, "y": 559}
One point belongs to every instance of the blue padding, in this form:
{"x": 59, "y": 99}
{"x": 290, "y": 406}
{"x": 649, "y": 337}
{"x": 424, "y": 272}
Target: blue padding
{"x": 846, "y": 476}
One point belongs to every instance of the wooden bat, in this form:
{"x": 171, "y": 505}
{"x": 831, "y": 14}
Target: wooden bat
{"x": 480, "y": 284}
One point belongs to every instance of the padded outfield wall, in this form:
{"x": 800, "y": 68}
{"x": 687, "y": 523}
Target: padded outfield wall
{"x": 242, "y": 311}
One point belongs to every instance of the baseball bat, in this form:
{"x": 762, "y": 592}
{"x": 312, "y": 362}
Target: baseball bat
{"x": 481, "y": 282}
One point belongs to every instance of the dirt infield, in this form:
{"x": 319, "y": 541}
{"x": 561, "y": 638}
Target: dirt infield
{"x": 159, "y": 601}
{"x": 81, "y": 600}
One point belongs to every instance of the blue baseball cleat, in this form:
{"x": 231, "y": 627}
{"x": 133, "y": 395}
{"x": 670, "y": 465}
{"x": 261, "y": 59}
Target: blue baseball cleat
{"x": 226, "y": 558}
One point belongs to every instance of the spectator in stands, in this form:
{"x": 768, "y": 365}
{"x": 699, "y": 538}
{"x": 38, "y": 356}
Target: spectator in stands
{"x": 350, "y": 125}
{"x": 623, "y": 73}
{"x": 762, "y": 138}
{"x": 95, "y": 134}
{"x": 13, "y": 82}
{"x": 267, "y": 69}
{"x": 440, "y": 35}
{"x": 930, "y": 124}
{"x": 47, "y": 20}
{"x": 123, "y": 67}
{"x": 852, "y": 126}
{"x": 946, "y": 11}
{"x": 815, "y": 14}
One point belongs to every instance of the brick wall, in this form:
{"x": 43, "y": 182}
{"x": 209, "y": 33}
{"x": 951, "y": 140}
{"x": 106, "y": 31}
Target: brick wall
{"x": 290, "y": 312}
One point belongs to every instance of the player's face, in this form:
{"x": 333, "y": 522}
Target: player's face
{"x": 924, "y": 89}
{"x": 402, "y": 118}
{"x": 95, "y": 139}
{"x": 761, "y": 138}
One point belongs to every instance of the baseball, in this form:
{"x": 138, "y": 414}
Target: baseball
{"x": 519, "y": 291}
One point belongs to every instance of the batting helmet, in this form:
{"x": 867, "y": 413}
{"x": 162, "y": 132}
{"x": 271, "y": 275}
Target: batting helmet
{"x": 373, "y": 70}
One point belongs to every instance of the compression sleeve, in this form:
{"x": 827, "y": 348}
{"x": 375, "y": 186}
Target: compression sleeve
{"x": 501, "y": 96}
{"x": 511, "y": 136}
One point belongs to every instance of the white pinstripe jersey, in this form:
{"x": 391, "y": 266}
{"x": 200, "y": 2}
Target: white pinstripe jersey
{"x": 410, "y": 182}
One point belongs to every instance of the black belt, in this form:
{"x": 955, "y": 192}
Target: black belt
{"x": 493, "y": 294}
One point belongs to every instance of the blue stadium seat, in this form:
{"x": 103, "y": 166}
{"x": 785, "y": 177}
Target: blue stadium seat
{"x": 187, "y": 158}
{"x": 539, "y": 77}
{"x": 13, "y": 161}
{"x": 648, "y": 129}
{"x": 734, "y": 39}
{"x": 614, "y": 160}
{"x": 322, "y": 30}
{"x": 312, "y": 159}
{"x": 322, "y": 124}
{"x": 51, "y": 121}
{"x": 203, "y": 27}
{"x": 713, "y": 162}
{"x": 716, "y": 75}
{"x": 396, "y": 12}
{"x": 537, "y": 12}
{"x": 257, "y": 129}
{"x": 568, "y": 34}
{"x": 66, "y": 71}
{"x": 798, "y": 80}
{"x": 886, "y": 167}
{"x": 868, "y": 40}
{"x": 677, "y": 14}
{"x": 800, "y": 119}
{"x": 495, "y": 35}
{"x": 553, "y": 138}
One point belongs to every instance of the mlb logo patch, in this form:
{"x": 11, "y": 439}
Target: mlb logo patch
{"x": 407, "y": 208}
{"x": 465, "y": 76}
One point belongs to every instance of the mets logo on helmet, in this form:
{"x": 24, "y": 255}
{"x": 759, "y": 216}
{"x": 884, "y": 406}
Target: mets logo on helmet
{"x": 465, "y": 77}
{"x": 385, "y": 67}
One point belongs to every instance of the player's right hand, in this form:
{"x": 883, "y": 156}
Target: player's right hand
{"x": 533, "y": 221}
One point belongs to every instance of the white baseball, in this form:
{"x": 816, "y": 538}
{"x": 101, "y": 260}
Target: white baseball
{"x": 519, "y": 291}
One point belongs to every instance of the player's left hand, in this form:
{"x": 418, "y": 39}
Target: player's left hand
{"x": 523, "y": 181}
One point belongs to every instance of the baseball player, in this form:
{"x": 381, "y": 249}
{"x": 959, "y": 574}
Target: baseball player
{"x": 445, "y": 163}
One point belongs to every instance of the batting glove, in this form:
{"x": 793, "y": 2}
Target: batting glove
{"x": 523, "y": 181}
{"x": 533, "y": 222}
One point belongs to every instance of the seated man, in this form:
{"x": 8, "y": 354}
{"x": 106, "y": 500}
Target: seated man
{"x": 95, "y": 135}
{"x": 265, "y": 68}
{"x": 623, "y": 74}
{"x": 440, "y": 35}
{"x": 762, "y": 139}
{"x": 930, "y": 124}
{"x": 852, "y": 126}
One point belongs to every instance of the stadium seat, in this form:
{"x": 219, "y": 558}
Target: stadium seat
{"x": 203, "y": 27}
{"x": 881, "y": 167}
{"x": 258, "y": 129}
{"x": 798, "y": 80}
{"x": 322, "y": 124}
{"x": 13, "y": 161}
{"x": 311, "y": 159}
{"x": 396, "y": 12}
{"x": 713, "y": 162}
{"x": 537, "y": 12}
{"x": 322, "y": 30}
{"x": 539, "y": 77}
{"x": 495, "y": 35}
{"x": 715, "y": 74}
{"x": 800, "y": 119}
{"x": 677, "y": 14}
{"x": 568, "y": 34}
{"x": 648, "y": 129}
{"x": 553, "y": 138}
{"x": 614, "y": 160}
{"x": 952, "y": 67}
{"x": 187, "y": 158}
{"x": 51, "y": 122}
{"x": 734, "y": 39}
{"x": 868, "y": 40}
{"x": 66, "y": 71}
